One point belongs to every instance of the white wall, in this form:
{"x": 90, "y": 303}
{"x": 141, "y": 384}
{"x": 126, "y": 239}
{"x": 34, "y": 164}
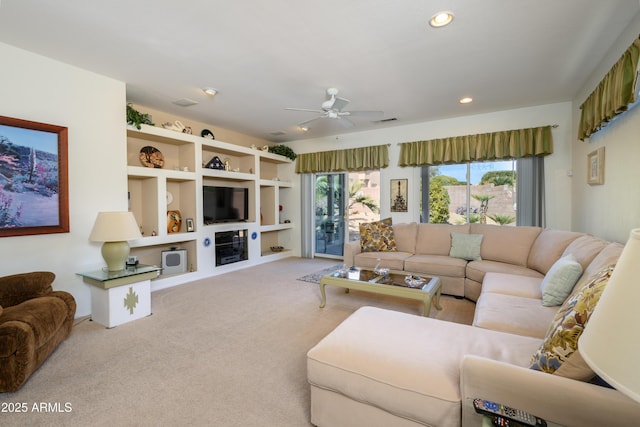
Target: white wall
{"x": 611, "y": 210}
{"x": 557, "y": 165}
{"x": 92, "y": 107}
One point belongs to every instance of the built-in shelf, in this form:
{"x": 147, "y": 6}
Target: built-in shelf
{"x": 177, "y": 186}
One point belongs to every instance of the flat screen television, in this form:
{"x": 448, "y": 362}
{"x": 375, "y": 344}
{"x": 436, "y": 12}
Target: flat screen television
{"x": 225, "y": 204}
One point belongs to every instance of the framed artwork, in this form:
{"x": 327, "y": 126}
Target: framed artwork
{"x": 595, "y": 167}
{"x": 399, "y": 195}
{"x": 34, "y": 191}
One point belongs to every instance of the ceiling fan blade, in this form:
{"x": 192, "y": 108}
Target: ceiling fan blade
{"x": 345, "y": 122}
{"x": 371, "y": 114}
{"x": 310, "y": 120}
{"x": 304, "y": 109}
{"x": 339, "y": 103}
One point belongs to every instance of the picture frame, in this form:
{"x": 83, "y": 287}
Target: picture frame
{"x": 399, "y": 195}
{"x": 595, "y": 167}
{"x": 189, "y": 222}
{"x": 34, "y": 188}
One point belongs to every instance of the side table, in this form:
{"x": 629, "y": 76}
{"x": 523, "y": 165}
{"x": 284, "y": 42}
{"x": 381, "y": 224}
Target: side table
{"x": 119, "y": 297}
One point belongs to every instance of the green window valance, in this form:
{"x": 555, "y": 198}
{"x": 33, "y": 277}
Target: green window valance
{"x": 353, "y": 159}
{"x": 507, "y": 144}
{"x": 613, "y": 94}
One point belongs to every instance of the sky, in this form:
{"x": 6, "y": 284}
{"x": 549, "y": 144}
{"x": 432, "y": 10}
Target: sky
{"x": 43, "y": 141}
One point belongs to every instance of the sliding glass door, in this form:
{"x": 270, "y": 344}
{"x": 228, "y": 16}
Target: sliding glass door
{"x": 330, "y": 214}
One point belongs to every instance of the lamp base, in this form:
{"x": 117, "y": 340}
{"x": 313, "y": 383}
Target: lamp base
{"x": 115, "y": 255}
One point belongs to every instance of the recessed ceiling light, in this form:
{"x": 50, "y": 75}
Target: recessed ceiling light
{"x": 209, "y": 91}
{"x": 466, "y": 100}
{"x": 441, "y": 19}
{"x": 303, "y": 128}
{"x": 185, "y": 102}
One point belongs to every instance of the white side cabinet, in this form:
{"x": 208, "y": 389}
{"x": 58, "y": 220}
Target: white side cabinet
{"x": 121, "y": 296}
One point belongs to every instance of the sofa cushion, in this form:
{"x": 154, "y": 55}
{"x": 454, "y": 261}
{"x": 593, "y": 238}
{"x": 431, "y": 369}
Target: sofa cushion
{"x": 466, "y": 246}
{"x": 392, "y": 260}
{"x": 560, "y": 280}
{"x": 409, "y": 365}
{"x": 506, "y": 244}
{"x": 437, "y": 265}
{"x": 512, "y": 284}
{"x": 405, "y": 236}
{"x": 477, "y": 269}
{"x": 608, "y": 255}
{"x": 377, "y": 236}
{"x": 435, "y": 239}
{"x": 513, "y": 314}
{"x": 559, "y": 353}
{"x": 585, "y": 249}
{"x": 548, "y": 247}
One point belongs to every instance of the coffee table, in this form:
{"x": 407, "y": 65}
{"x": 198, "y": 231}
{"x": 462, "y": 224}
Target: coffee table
{"x": 391, "y": 284}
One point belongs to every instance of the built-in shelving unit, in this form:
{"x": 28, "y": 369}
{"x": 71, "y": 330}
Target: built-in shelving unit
{"x": 177, "y": 186}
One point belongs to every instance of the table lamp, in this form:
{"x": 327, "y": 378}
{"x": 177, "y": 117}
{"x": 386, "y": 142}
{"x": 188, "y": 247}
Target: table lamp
{"x": 115, "y": 229}
{"x": 610, "y": 343}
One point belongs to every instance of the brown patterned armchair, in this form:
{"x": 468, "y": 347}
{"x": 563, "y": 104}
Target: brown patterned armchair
{"x": 34, "y": 319}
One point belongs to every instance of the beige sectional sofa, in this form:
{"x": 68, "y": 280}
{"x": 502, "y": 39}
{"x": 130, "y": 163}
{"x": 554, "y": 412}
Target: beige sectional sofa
{"x": 425, "y": 248}
{"x": 385, "y": 368}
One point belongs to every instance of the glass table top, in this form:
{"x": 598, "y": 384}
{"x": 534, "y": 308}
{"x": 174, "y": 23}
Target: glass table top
{"x": 104, "y": 275}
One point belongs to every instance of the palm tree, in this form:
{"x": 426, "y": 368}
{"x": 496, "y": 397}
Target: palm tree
{"x": 356, "y": 197}
{"x": 484, "y": 205}
{"x": 502, "y": 219}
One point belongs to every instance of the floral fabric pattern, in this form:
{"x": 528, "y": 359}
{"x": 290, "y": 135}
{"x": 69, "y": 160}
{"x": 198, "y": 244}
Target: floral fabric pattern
{"x": 377, "y": 236}
{"x": 561, "y": 341}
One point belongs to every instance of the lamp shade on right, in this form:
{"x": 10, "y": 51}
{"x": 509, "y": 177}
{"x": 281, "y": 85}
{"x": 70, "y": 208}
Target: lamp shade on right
{"x": 610, "y": 343}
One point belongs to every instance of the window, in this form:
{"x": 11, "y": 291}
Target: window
{"x": 478, "y": 192}
{"x": 364, "y": 200}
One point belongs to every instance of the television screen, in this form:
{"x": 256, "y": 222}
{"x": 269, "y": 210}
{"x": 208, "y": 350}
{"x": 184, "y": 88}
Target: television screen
{"x": 225, "y": 204}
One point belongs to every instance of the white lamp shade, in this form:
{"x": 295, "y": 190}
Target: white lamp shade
{"x": 115, "y": 227}
{"x": 610, "y": 343}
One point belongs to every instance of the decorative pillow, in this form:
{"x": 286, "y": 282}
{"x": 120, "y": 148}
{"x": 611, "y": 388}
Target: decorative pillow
{"x": 559, "y": 353}
{"x": 560, "y": 280}
{"x": 466, "y": 246}
{"x": 377, "y": 236}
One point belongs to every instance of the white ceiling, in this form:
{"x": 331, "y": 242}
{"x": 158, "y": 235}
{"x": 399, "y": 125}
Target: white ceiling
{"x": 264, "y": 56}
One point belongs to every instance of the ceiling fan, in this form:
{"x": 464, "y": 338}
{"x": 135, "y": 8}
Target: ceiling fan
{"x": 332, "y": 109}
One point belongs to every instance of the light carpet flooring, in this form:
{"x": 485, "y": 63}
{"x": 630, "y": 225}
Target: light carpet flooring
{"x": 225, "y": 351}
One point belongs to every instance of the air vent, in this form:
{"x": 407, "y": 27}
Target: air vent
{"x": 391, "y": 119}
{"x": 185, "y": 102}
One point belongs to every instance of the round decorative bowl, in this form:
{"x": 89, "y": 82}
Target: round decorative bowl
{"x": 414, "y": 281}
{"x": 383, "y": 271}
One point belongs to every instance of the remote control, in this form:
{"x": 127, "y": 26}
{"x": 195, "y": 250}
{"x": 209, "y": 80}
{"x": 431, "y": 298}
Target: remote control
{"x": 486, "y": 407}
{"x": 499, "y": 421}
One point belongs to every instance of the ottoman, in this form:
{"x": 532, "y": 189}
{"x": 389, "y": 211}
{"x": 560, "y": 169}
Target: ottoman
{"x": 382, "y": 368}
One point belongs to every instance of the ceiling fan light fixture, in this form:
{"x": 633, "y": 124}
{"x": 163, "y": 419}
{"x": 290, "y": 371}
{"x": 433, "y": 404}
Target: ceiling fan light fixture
{"x": 210, "y": 91}
{"x": 441, "y": 19}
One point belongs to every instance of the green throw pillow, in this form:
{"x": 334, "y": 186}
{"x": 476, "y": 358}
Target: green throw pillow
{"x": 377, "y": 236}
{"x": 560, "y": 280}
{"x": 559, "y": 354}
{"x": 466, "y": 246}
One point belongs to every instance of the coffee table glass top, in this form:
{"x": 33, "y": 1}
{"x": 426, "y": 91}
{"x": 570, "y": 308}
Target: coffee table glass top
{"x": 391, "y": 278}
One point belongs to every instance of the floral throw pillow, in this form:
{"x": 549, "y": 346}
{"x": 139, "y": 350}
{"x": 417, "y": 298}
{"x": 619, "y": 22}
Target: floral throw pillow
{"x": 558, "y": 354}
{"x": 377, "y": 236}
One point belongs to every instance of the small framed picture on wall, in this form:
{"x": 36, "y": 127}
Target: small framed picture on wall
{"x": 399, "y": 195}
{"x": 595, "y": 167}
